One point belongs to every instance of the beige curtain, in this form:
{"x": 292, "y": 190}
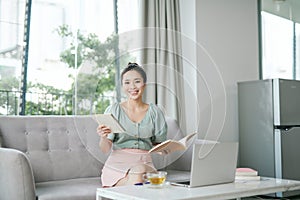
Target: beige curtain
{"x": 161, "y": 56}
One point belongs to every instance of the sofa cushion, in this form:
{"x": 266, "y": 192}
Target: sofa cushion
{"x": 58, "y": 147}
{"x": 74, "y": 189}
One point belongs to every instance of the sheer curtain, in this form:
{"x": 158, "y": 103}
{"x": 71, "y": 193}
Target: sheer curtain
{"x": 161, "y": 56}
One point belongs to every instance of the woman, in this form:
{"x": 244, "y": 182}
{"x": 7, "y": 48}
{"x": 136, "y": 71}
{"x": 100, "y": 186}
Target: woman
{"x": 145, "y": 127}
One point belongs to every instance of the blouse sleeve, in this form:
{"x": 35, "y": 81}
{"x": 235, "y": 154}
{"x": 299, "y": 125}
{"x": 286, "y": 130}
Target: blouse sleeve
{"x": 161, "y": 127}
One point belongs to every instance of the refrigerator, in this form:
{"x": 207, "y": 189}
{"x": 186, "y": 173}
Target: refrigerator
{"x": 269, "y": 128}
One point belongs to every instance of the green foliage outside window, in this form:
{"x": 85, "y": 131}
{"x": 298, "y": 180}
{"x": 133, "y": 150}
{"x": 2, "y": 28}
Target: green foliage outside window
{"x": 97, "y": 81}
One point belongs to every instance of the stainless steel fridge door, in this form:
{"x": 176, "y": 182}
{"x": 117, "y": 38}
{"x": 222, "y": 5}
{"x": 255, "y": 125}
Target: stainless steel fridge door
{"x": 290, "y": 150}
{"x": 287, "y": 158}
{"x": 256, "y": 138}
{"x": 286, "y": 97}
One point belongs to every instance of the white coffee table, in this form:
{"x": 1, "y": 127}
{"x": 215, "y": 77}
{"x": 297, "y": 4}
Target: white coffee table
{"x": 234, "y": 190}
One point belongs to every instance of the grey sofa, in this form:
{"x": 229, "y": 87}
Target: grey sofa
{"x": 58, "y": 157}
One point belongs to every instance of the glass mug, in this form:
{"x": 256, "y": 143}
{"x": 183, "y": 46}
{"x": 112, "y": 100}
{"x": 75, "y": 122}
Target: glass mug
{"x": 156, "y": 179}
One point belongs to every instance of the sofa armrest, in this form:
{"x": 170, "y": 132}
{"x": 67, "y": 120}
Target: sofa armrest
{"x": 16, "y": 176}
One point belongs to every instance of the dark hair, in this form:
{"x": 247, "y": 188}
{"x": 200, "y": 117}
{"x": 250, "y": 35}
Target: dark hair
{"x": 136, "y": 67}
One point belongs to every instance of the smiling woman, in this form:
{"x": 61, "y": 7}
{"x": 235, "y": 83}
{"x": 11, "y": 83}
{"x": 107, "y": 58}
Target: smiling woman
{"x": 145, "y": 126}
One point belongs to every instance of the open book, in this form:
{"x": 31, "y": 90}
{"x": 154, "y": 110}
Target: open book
{"x": 110, "y": 121}
{"x": 170, "y": 146}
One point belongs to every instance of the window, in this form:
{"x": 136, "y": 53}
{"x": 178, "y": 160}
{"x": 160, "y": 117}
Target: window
{"x": 11, "y": 37}
{"x": 277, "y": 45}
{"x": 280, "y": 39}
{"x": 72, "y": 54}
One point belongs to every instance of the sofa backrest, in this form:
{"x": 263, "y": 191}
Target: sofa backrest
{"x": 66, "y": 147}
{"x": 58, "y": 147}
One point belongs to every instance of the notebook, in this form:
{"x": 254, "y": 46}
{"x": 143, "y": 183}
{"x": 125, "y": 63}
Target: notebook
{"x": 212, "y": 163}
{"x": 110, "y": 121}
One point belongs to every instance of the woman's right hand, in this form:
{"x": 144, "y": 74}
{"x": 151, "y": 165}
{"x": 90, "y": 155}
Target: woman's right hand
{"x": 103, "y": 130}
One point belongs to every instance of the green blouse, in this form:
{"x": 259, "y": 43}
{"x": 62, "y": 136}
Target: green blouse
{"x": 151, "y": 130}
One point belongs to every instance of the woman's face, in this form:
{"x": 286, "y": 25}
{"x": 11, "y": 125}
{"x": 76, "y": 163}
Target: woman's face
{"x": 133, "y": 84}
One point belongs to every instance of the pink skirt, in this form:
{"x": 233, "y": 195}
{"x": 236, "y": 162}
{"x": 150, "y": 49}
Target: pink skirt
{"x": 121, "y": 161}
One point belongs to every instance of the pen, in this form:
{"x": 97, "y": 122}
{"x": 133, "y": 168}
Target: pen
{"x": 141, "y": 183}
{"x": 138, "y": 184}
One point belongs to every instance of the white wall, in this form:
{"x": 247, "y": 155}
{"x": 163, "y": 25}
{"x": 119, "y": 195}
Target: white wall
{"x": 228, "y": 32}
{"x": 188, "y": 36}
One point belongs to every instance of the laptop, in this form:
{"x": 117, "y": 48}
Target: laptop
{"x": 212, "y": 163}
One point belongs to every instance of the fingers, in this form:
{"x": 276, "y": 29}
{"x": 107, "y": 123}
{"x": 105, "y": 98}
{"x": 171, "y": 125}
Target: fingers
{"x": 164, "y": 152}
{"x": 103, "y": 130}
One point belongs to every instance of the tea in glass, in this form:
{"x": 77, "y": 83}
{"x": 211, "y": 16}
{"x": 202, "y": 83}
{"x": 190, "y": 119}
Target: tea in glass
{"x": 156, "y": 178}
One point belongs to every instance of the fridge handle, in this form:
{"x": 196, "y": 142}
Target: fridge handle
{"x": 285, "y": 128}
